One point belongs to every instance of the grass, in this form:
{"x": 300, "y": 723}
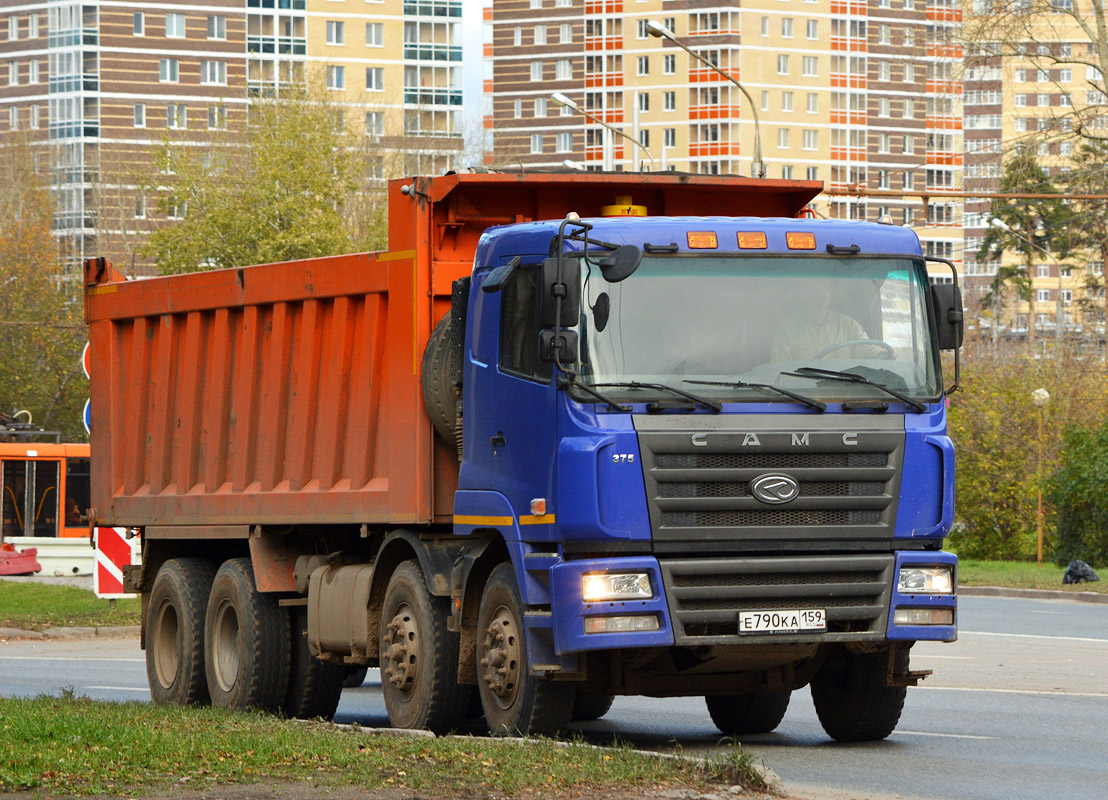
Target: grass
{"x": 32, "y": 606}
{"x": 72, "y": 745}
{"x": 1022, "y": 575}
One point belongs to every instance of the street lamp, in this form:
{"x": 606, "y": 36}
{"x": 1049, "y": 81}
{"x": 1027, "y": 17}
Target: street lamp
{"x": 758, "y": 168}
{"x": 1000, "y": 224}
{"x": 569, "y": 103}
{"x": 1040, "y": 398}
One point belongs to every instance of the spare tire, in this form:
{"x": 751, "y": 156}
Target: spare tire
{"x": 440, "y": 378}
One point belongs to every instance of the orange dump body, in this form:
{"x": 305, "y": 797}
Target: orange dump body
{"x": 290, "y": 393}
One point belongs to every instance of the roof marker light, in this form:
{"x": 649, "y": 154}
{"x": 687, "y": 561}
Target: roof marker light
{"x": 800, "y": 241}
{"x": 702, "y": 240}
{"x": 752, "y": 240}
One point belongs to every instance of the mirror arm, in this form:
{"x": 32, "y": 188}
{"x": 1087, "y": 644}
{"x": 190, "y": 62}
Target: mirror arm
{"x": 957, "y": 350}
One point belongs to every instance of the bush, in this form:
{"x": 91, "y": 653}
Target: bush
{"x": 1078, "y": 490}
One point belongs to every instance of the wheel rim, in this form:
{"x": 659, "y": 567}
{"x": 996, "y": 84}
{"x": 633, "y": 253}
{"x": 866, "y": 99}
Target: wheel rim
{"x": 400, "y": 651}
{"x": 225, "y": 657}
{"x": 166, "y": 657}
{"x": 501, "y": 662}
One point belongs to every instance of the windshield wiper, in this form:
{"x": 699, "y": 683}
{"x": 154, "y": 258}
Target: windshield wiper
{"x": 815, "y": 373}
{"x": 712, "y": 404}
{"x": 569, "y": 379}
{"x": 808, "y": 401}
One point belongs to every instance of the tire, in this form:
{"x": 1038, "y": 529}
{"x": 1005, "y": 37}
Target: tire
{"x": 354, "y": 677}
{"x": 314, "y": 685}
{"x": 588, "y": 706}
{"x": 851, "y": 699}
{"x": 419, "y": 657}
{"x": 246, "y": 642}
{"x": 175, "y": 632}
{"x": 437, "y": 374}
{"x": 516, "y": 703}
{"x": 746, "y": 714}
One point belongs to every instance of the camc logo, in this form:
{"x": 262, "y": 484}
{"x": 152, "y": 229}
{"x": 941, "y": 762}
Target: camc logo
{"x": 774, "y": 489}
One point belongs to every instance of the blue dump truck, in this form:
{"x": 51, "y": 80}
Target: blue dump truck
{"x": 683, "y": 449}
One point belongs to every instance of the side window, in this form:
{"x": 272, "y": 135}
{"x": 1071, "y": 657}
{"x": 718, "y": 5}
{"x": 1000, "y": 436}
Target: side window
{"x": 519, "y": 327}
{"x": 76, "y": 492}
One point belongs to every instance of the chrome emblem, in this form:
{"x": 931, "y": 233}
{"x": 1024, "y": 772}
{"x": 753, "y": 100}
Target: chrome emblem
{"x": 774, "y": 489}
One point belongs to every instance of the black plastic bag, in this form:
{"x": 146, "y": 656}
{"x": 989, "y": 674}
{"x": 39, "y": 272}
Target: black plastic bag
{"x": 1079, "y": 571}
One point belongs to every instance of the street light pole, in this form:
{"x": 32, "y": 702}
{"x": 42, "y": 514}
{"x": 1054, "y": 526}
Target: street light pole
{"x": 758, "y": 167}
{"x": 1039, "y": 399}
{"x": 569, "y": 103}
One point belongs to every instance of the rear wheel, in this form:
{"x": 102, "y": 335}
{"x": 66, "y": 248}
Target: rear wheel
{"x": 314, "y": 685}
{"x": 588, "y": 706}
{"x": 516, "y": 703}
{"x": 246, "y": 642}
{"x": 745, "y": 714}
{"x": 419, "y": 657}
{"x": 175, "y": 631}
{"x": 355, "y": 677}
{"x": 851, "y": 698}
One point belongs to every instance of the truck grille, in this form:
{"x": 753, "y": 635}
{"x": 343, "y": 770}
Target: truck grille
{"x": 698, "y": 482}
{"x": 706, "y": 595}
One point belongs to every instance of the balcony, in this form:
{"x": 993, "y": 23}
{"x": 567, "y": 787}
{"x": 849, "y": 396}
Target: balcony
{"x": 432, "y": 8}
{"x": 433, "y": 97}
{"x": 432, "y": 52}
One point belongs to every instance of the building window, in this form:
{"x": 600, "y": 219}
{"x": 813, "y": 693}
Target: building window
{"x": 909, "y": 108}
{"x": 787, "y": 172}
{"x": 882, "y": 179}
{"x": 167, "y": 70}
{"x": 1065, "y": 76}
{"x": 810, "y": 66}
{"x": 883, "y": 141}
{"x": 536, "y": 142}
{"x": 375, "y": 79}
{"x": 1042, "y": 295}
{"x": 517, "y": 36}
{"x": 883, "y": 107}
{"x": 783, "y": 138}
{"x": 34, "y": 117}
{"x": 374, "y": 123}
{"x": 138, "y": 23}
{"x": 787, "y": 27}
{"x": 884, "y": 72}
{"x": 644, "y": 102}
{"x": 217, "y": 117}
{"x": 13, "y": 118}
{"x": 140, "y": 206}
{"x": 909, "y": 73}
{"x": 787, "y": 101}
{"x": 669, "y": 101}
{"x": 643, "y": 65}
{"x": 812, "y": 173}
{"x": 140, "y": 115}
{"x": 336, "y": 32}
{"x": 540, "y": 35}
{"x": 178, "y": 211}
{"x": 669, "y": 64}
{"x": 176, "y": 115}
{"x": 536, "y": 70}
{"x": 566, "y": 35}
{"x": 518, "y": 110}
{"x": 217, "y": 27}
{"x": 564, "y": 143}
{"x": 765, "y": 26}
{"x": 336, "y": 78}
{"x": 813, "y": 103}
{"x": 540, "y": 106}
{"x": 765, "y": 100}
{"x": 32, "y": 71}
{"x": 909, "y": 145}
{"x": 811, "y": 140}
{"x": 563, "y": 69}
{"x": 884, "y": 34}
{"x": 13, "y": 74}
{"x": 213, "y": 73}
{"x": 812, "y": 29}
{"x": 175, "y": 26}
{"x": 375, "y": 34}
{"x": 782, "y": 64}
{"x": 1043, "y": 270}
{"x": 669, "y": 137}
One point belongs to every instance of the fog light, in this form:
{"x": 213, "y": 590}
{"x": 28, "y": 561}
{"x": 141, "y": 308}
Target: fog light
{"x": 925, "y": 580}
{"x": 621, "y": 624}
{"x": 923, "y": 616}
{"x": 622, "y": 586}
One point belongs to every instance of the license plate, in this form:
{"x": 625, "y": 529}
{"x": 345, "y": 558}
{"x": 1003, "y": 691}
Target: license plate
{"x": 788, "y": 621}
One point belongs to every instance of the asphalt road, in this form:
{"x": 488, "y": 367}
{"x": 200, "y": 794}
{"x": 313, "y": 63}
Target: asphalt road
{"x": 1017, "y": 709}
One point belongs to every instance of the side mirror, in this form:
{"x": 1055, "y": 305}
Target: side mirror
{"x": 568, "y": 288}
{"x": 949, "y": 326}
{"x": 569, "y": 345}
{"x": 621, "y": 263}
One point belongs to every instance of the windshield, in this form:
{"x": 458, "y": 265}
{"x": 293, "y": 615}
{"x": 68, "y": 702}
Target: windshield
{"x": 708, "y": 323}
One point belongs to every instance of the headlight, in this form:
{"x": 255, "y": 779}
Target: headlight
{"x": 925, "y": 580}
{"x": 613, "y": 586}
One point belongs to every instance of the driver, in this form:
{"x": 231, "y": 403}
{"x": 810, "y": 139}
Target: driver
{"x": 810, "y": 326}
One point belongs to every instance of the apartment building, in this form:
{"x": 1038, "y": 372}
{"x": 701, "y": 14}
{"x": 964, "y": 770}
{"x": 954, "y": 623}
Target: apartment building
{"x": 860, "y": 94}
{"x": 1023, "y": 94}
{"x": 97, "y": 85}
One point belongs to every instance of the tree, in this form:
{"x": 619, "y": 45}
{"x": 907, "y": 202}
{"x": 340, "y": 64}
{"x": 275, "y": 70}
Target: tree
{"x": 41, "y": 330}
{"x": 1089, "y": 218}
{"x": 1030, "y": 227}
{"x": 272, "y": 188}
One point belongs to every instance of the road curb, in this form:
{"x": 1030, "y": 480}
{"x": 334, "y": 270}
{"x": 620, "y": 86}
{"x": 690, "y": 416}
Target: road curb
{"x": 1032, "y": 594}
{"x": 105, "y": 632}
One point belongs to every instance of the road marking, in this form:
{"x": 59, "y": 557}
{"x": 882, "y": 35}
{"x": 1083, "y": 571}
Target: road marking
{"x": 120, "y": 688}
{"x": 943, "y": 735}
{"x": 1012, "y": 691}
{"x": 947, "y": 658}
{"x": 70, "y": 658}
{"x": 1035, "y": 636}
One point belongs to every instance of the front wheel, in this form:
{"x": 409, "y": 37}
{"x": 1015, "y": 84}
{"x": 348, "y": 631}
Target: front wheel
{"x": 745, "y": 714}
{"x": 516, "y": 702}
{"x": 246, "y": 642}
{"x": 852, "y": 700}
{"x": 419, "y": 657}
